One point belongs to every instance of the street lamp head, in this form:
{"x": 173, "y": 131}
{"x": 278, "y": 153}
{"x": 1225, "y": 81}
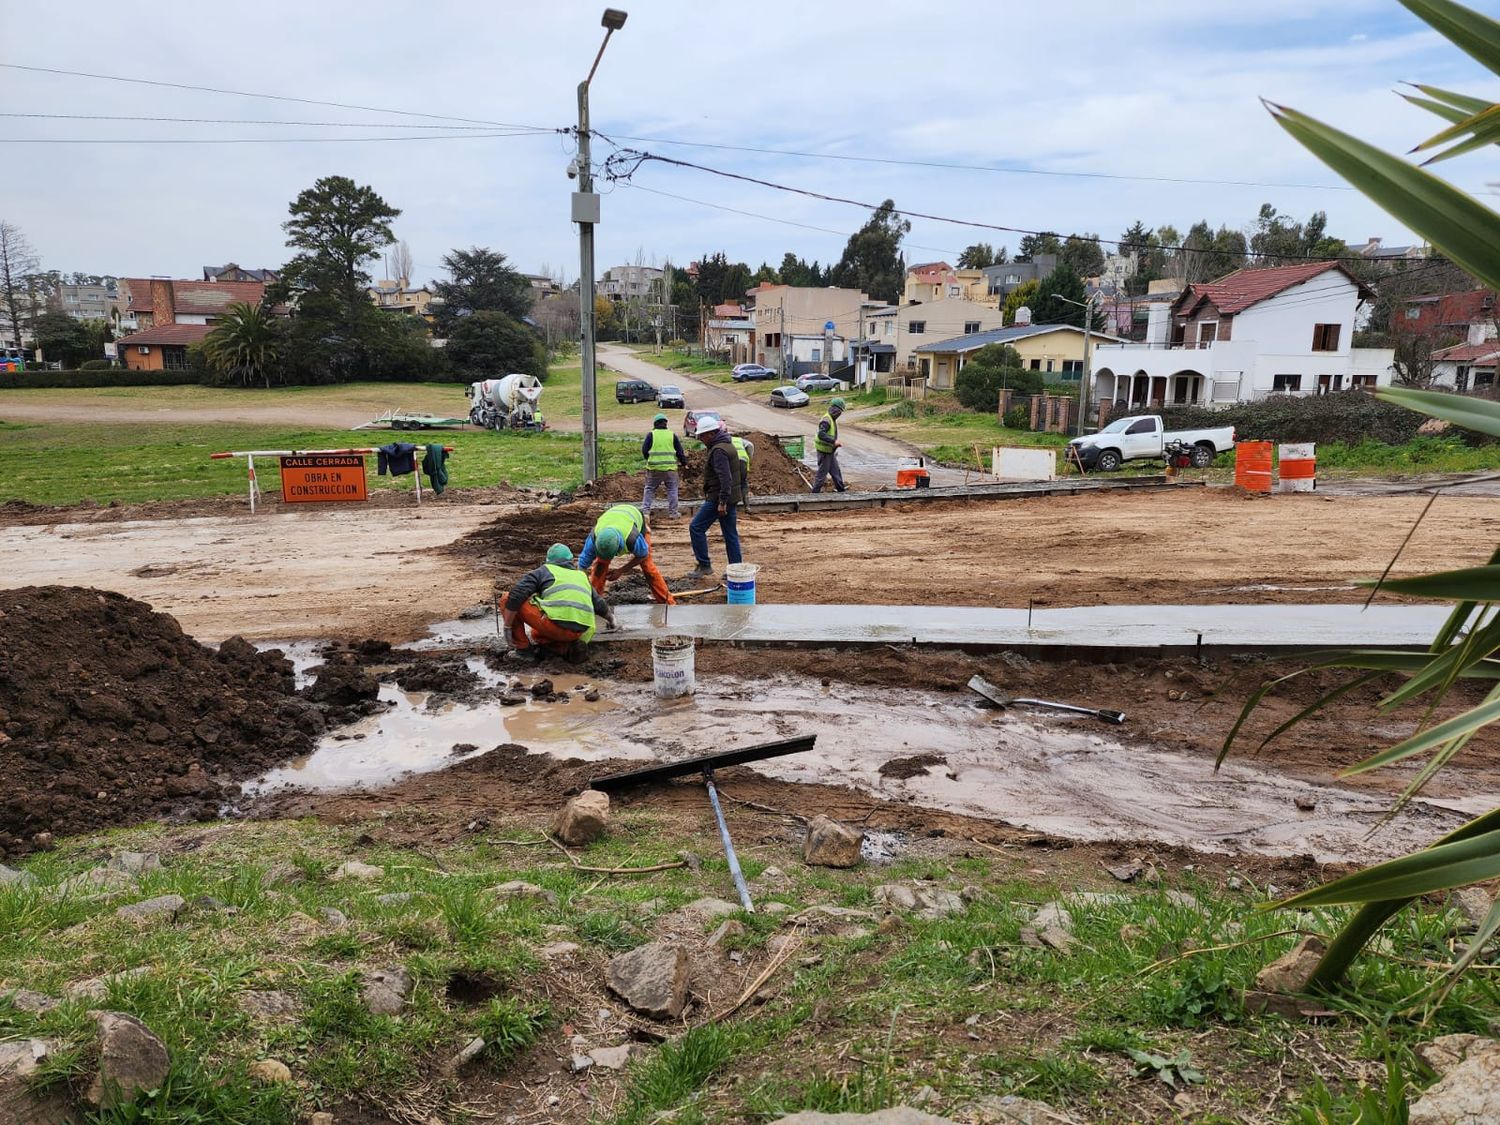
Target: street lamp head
{"x": 614, "y": 19}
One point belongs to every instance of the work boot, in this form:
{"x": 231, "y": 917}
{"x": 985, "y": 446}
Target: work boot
{"x": 703, "y": 570}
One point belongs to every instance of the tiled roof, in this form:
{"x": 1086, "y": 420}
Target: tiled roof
{"x": 167, "y": 334}
{"x": 1468, "y": 353}
{"x": 197, "y": 298}
{"x": 1237, "y": 291}
{"x": 977, "y": 340}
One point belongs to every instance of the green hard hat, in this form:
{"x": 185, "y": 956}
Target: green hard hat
{"x": 609, "y": 543}
{"x": 660, "y": 418}
{"x": 837, "y": 404}
{"x": 559, "y": 554}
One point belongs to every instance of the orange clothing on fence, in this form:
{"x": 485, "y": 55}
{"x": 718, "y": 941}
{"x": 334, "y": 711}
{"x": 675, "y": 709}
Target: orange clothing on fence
{"x": 550, "y": 635}
{"x": 599, "y": 576}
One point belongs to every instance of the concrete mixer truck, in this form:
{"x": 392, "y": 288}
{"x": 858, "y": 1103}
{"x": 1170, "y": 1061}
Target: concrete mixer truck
{"x": 506, "y": 404}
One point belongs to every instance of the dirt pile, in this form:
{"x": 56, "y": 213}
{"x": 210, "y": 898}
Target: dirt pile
{"x": 772, "y": 473}
{"x": 111, "y": 714}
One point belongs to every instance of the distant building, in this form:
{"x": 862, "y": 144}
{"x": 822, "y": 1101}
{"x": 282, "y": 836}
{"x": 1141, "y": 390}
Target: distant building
{"x": 399, "y": 295}
{"x": 542, "y": 286}
{"x": 89, "y": 302}
{"x": 894, "y": 334}
{"x": 780, "y": 312}
{"x": 1374, "y": 250}
{"x": 1056, "y": 350}
{"x": 235, "y": 272}
{"x": 938, "y": 281}
{"x": 622, "y": 283}
{"x": 158, "y": 301}
{"x": 164, "y": 348}
{"x": 1003, "y": 280}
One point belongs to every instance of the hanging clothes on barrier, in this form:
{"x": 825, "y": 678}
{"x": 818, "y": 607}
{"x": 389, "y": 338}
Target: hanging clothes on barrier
{"x": 435, "y": 465}
{"x": 399, "y": 458}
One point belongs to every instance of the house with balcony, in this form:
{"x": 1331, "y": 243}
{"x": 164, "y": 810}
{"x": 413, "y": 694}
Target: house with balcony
{"x": 1055, "y": 350}
{"x": 893, "y": 334}
{"x": 154, "y": 302}
{"x": 1248, "y": 335}
{"x": 399, "y": 295}
{"x": 938, "y": 281}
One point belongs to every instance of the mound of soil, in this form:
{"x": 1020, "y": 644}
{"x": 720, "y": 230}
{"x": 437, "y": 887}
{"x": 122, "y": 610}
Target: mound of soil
{"x": 772, "y": 473}
{"x": 110, "y": 714}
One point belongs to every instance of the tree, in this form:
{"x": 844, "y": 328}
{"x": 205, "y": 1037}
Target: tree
{"x": 1084, "y": 254}
{"x": 1207, "y": 254}
{"x": 17, "y": 261}
{"x": 719, "y": 280}
{"x": 766, "y": 273}
{"x": 990, "y": 370}
{"x": 245, "y": 346}
{"x": 489, "y": 343}
{"x": 872, "y": 260}
{"x": 557, "y": 317}
{"x": 479, "y": 280}
{"x": 1050, "y": 308}
{"x": 1278, "y": 241}
{"x": 1023, "y": 294}
{"x": 61, "y": 337}
{"x": 1034, "y": 244}
{"x": 401, "y": 263}
{"x": 1411, "y": 358}
{"x": 981, "y": 255}
{"x": 1136, "y": 239}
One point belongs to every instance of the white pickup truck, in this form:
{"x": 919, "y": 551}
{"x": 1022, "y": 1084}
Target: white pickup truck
{"x": 1140, "y": 437}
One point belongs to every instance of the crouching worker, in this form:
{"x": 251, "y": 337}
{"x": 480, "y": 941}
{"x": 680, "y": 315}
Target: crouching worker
{"x": 622, "y": 529}
{"x": 553, "y": 609}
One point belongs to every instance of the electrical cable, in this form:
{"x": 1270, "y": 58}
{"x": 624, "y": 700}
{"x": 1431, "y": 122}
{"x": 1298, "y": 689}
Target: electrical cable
{"x": 248, "y": 121}
{"x": 249, "y": 140}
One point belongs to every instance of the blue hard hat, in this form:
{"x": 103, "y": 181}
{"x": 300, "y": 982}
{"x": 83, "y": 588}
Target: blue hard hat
{"x": 609, "y": 543}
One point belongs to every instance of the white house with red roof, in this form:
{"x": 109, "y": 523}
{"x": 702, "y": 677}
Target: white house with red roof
{"x": 1248, "y": 335}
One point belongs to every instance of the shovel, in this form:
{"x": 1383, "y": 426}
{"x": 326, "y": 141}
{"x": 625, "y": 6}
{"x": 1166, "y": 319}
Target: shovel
{"x": 992, "y": 693}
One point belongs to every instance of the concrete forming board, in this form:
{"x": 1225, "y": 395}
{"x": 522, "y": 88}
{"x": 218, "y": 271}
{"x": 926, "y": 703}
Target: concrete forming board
{"x": 1120, "y": 628}
{"x": 831, "y": 501}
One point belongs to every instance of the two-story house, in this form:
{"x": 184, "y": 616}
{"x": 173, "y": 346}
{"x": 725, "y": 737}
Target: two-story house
{"x": 895, "y": 333}
{"x": 780, "y": 313}
{"x": 163, "y": 317}
{"x": 626, "y": 283}
{"x": 401, "y": 296}
{"x": 938, "y": 281}
{"x": 1250, "y": 334}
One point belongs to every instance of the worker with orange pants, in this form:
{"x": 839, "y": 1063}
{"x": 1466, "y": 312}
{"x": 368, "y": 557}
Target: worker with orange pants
{"x": 622, "y": 528}
{"x": 553, "y": 609}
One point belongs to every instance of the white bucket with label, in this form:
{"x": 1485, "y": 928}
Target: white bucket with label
{"x": 740, "y": 579}
{"x": 672, "y": 666}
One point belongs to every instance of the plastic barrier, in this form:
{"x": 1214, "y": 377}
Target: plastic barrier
{"x": 1252, "y": 465}
{"x": 1298, "y": 467}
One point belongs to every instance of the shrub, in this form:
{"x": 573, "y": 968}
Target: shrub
{"x": 1017, "y": 418}
{"x": 979, "y": 384}
{"x": 1348, "y": 416}
{"x": 96, "y": 365}
{"x": 113, "y": 377}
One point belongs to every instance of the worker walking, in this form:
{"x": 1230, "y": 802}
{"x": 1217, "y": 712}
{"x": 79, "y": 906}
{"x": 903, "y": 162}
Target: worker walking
{"x": 664, "y": 456}
{"x": 622, "y": 528}
{"x": 746, "y": 450}
{"x": 553, "y": 608}
{"x": 723, "y": 483}
{"x": 827, "y": 446}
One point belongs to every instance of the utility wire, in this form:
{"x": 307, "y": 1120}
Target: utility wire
{"x": 269, "y": 97}
{"x": 247, "y": 140}
{"x": 250, "y": 121}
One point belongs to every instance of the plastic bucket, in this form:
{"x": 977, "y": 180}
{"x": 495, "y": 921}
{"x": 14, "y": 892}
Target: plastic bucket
{"x": 1252, "y": 466}
{"x": 1298, "y": 467}
{"x": 672, "y": 666}
{"x": 794, "y": 448}
{"x": 740, "y": 578}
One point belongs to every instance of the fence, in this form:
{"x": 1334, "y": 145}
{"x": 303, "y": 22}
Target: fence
{"x": 1055, "y": 414}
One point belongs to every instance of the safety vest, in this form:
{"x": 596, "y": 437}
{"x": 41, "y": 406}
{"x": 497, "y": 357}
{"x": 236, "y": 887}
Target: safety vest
{"x": 739, "y": 447}
{"x": 662, "y": 455}
{"x": 624, "y": 518}
{"x": 819, "y": 443}
{"x": 569, "y": 600}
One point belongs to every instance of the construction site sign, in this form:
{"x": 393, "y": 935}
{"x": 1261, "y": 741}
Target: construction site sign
{"x": 323, "y": 478}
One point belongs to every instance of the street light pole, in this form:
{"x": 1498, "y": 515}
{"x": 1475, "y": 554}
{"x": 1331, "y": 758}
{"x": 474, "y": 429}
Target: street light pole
{"x": 586, "y": 215}
{"x": 1087, "y": 305}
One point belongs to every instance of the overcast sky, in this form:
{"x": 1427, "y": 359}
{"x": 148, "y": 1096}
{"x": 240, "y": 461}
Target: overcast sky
{"x": 1165, "y": 89}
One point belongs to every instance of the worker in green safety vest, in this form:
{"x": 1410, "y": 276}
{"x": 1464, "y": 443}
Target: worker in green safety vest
{"x": 746, "y": 449}
{"x": 827, "y": 446}
{"x": 665, "y": 457}
{"x": 622, "y": 530}
{"x": 554, "y": 609}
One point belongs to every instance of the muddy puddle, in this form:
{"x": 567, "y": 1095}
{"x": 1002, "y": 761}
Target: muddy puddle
{"x": 1061, "y": 775}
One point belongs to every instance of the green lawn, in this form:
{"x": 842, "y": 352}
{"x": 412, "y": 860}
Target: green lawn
{"x": 438, "y": 398}
{"x": 50, "y": 463}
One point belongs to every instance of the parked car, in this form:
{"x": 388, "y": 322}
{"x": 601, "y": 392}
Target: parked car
{"x": 812, "y": 382}
{"x": 634, "y": 390}
{"x": 1141, "y": 437}
{"x": 749, "y": 372}
{"x": 690, "y": 421}
{"x": 669, "y": 396}
{"x": 789, "y": 397}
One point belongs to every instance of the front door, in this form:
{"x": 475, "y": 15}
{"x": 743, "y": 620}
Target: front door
{"x": 1158, "y": 390}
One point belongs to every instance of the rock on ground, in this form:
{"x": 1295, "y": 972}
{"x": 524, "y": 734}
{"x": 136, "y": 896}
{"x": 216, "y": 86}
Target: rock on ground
{"x": 162, "y": 908}
{"x": 135, "y": 863}
{"x": 900, "y": 1115}
{"x": 384, "y": 991}
{"x": 98, "y": 880}
{"x": 270, "y": 1071}
{"x": 1472, "y": 903}
{"x": 9, "y": 876}
{"x": 25, "y": 1000}
{"x": 1290, "y": 972}
{"x": 131, "y": 1058}
{"x": 1013, "y": 1110}
{"x": 530, "y": 892}
{"x": 652, "y": 979}
{"x": 268, "y": 1004}
{"x": 831, "y": 844}
{"x": 354, "y": 869}
{"x": 1468, "y": 1094}
{"x": 911, "y": 898}
{"x": 583, "y": 819}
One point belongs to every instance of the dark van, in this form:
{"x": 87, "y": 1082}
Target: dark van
{"x": 634, "y": 390}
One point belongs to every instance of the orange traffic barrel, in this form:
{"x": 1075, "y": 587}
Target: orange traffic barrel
{"x": 1298, "y": 467}
{"x": 1252, "y": 465}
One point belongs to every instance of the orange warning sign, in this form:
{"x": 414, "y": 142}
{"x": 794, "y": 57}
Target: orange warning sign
{"x": 323, "y": 478}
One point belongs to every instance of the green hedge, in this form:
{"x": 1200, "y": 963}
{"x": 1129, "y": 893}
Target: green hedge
{"x": 1348, "y": 416}
{"x": 114, "y": 377}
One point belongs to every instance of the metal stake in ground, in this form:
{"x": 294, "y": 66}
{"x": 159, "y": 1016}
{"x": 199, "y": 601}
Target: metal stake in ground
{"x": 734, "y": 860}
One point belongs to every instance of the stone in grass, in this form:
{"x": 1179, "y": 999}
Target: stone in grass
{"x": 527, "y": 892}
{"x": 1468, "y": 1091}
{"x": 831, "y": 844}
{"x": 1012, "y": 1110}
{"x": 97, "y": 988}
{"x": 1278, "y": 986}
{"x": 25, "y": 1000}
{"x": 1473, "y": 905}
{"x": 135, "y": 863}
{"x": 613, "y": 1058}
{"x": 726, "y": 932}
{"x": 269, "y": 1071}
{"x": 268, "y": 1004}
{"x": 131, "y": 1059}
{"x": 652, "y": 979}
{"x": 384, "y": 991}
{"x": 1050, "y": 927}
{"x": 354, "y": 869}
{"x": 10, "y": 877}
{"x": 583, "y": 819}
{"x": 897, "y": 1115}
{"x": 924, "y": 902}
{"x": 399, "y": 898}
{"x": 98, "y": 880}
{"x": 162, "y": 908}
{"x": 333, "y": 916}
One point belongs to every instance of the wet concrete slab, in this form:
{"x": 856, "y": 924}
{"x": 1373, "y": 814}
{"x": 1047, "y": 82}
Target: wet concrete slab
{"x": 1258, "y": 628}
{"x": 978, "y": 490}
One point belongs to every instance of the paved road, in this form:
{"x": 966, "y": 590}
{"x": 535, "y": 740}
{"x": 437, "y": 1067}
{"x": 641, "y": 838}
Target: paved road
{"x": 868, "y": 459}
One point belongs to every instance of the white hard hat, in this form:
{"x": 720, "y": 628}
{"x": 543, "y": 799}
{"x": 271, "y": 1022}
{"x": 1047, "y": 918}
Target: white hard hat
{"x": 706, "y": 426}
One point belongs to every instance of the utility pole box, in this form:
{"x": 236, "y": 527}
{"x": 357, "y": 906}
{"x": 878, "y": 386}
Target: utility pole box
{"x": 586, "y": 207}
